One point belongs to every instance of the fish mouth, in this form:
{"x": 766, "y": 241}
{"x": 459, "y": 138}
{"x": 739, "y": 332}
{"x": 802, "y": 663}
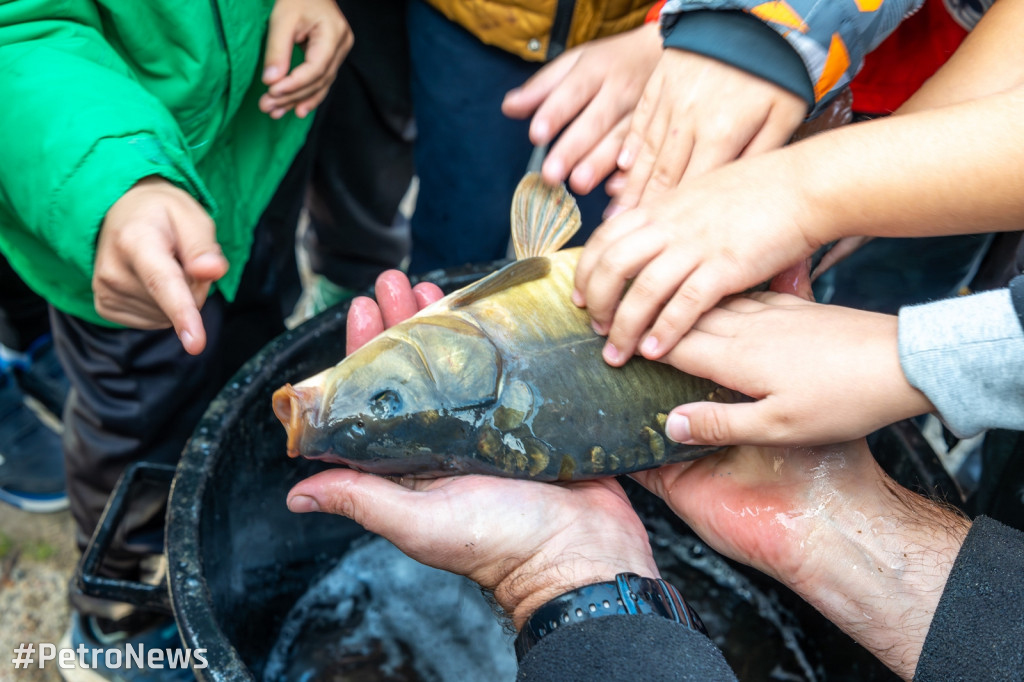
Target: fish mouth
{"x": 296, "y": 407}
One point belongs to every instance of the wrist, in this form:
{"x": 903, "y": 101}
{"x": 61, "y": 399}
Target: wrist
{"x": 878, "y": 571}
{"x": 542, "y": 579}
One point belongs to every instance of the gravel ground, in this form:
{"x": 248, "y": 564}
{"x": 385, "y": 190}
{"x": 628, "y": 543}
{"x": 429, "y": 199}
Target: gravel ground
{"x": 37, "y": 558}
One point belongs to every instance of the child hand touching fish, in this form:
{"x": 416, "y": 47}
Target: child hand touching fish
{"x": 697, "y": 113}
{"x": 820, "y": 373}
{"x": 585, "y": 97}
{"x": 739, "y": 225}
{"x": 757, "y": 505}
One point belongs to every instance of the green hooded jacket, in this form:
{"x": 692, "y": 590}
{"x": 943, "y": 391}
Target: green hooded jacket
{"x": 100, "y": 94}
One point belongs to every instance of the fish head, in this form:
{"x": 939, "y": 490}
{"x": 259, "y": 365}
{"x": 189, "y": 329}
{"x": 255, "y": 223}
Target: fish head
{"x": 398, "y": 404}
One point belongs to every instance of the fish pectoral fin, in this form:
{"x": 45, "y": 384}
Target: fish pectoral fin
{"x": 544, "y": 218}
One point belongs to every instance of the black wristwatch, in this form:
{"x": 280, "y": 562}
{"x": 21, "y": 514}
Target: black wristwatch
{"x": 627, "y": 594}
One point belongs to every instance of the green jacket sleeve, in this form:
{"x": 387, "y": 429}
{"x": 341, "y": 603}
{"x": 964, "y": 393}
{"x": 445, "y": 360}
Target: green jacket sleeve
{"x": 76, "y": 132}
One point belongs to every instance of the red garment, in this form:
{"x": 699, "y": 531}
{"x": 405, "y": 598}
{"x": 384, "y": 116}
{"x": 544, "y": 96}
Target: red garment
{"x": 906, "y": 59}
{"x": 652, "y": 14}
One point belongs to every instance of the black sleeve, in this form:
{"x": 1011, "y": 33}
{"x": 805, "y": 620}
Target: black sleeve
{"x": 977, "y": 632}
{"x": 744, "y": 41}
{"x": 625, "y": 649}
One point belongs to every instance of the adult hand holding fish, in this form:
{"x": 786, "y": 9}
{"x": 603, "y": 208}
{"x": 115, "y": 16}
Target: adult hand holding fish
{"x": 807, "y": 517}
{"x": 870, "y": 555}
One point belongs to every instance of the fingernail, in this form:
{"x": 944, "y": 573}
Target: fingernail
{"x": 677, "y": 428}
{"x": 541, "y": 131}
{"x": 583, "y": 175}
{"x": 577, "y": 299}
{"x": 186, "y": 339}
{"x": 613, "y": 210}
{"x": 599, "y": 328}
{"x": 611, "y": 354}
{"x": 270, "y": 73}
{"x": 278, "y": 113}
{"x": 302, "y": 504}
{"x": 555, "y": 169}
{"x": 649, "y": 347}
{"x": 513, "y": 93}
{"x": 624, "y": 158}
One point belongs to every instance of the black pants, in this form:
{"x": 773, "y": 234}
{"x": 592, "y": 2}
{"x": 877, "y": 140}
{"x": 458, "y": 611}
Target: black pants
{"x": 363, "y": 163}
{"x": 23, "y": 317}
{"x": 137, "y": 395}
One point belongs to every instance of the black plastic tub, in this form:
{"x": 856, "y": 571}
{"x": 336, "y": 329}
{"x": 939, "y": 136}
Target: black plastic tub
{"x": 238, "y": 560}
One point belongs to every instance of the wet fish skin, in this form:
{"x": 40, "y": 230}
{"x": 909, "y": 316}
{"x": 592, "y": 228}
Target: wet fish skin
{"x": 504, "y": 377}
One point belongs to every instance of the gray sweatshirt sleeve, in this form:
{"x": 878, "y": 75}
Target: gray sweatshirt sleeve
{"x": 966, "y": 355}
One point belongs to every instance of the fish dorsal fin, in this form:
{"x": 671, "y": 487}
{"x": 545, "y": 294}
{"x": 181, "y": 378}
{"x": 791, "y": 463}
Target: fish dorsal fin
{"x": 512, "y": 274}
{"x": 544, "y": 218}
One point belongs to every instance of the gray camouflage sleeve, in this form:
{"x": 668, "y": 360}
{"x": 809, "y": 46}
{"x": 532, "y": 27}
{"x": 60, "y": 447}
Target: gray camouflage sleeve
{"x": 966, "y": 355}
{"x": 831, "y": 37}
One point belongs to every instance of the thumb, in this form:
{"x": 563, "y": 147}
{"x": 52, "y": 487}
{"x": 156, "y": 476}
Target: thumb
{"x": 280, "y": 45}
{"x": 200, "y": 254}
{"x": 377, "y": 504}
{"x": 710, "y": 423}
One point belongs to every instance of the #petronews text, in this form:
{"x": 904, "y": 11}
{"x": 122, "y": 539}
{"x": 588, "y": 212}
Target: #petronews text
{"x": 113, "y": 659}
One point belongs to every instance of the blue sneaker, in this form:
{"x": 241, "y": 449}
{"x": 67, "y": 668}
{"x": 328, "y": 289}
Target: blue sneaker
{"x": 31, "y": 456}
{"x": 41, "y": 377}
{"x": 121, "y": 657}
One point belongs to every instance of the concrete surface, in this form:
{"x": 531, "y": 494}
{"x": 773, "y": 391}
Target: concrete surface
{"x": 37, "y": 558}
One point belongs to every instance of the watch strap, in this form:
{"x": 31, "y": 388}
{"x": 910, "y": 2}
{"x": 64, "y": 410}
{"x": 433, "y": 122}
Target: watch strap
{"x": 628, "y": 594}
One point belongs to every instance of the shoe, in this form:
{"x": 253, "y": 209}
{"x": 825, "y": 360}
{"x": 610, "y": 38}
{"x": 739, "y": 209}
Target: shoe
{"x": 40, "y": 376}
{"x": 98, "y": 661}
{"x": 31, "y": 456}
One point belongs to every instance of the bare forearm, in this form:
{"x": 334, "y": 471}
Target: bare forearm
{"x": 881, "y": 578}
{"x": 954, "y": 170}
{"x": 990, "y": 60}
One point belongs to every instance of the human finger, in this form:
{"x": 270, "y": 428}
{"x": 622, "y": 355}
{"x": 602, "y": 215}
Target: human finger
{"x": 604, "y": 237}
{"x": 700, "y": 290}
{"x": 711, "y": 423}
{"x": 522, "y": 101}
{"x": 375, "y": 503}
{"x": 795, "y": 280}
{"x": 642, "y": 166}
{"x": 668, "y": 166}
{"x": 613, "y": 186}
{"x": 427, "y": 293}
{"x": 712, "y": 146}
{"x": 614, "y": 270}
{"x": 773, "y": 133}
{"x": 363, "y": 322}
{"x": 640, "y": 121}
{"x": 165, "y": 282}
{"x": 395, "y": 297}
{"x": 650, "y": 289}
{"x": 599, "y": 162}
{"x": 277, "y": 56}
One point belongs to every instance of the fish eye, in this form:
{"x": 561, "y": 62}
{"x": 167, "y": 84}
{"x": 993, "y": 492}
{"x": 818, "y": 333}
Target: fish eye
{"x": 385, "y": 403}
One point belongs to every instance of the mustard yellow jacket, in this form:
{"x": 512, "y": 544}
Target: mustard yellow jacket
{"x": 539, "y": 30}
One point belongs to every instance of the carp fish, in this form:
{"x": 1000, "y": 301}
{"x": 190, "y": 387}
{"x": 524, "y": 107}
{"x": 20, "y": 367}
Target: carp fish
{"x": 502, "y": 377}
